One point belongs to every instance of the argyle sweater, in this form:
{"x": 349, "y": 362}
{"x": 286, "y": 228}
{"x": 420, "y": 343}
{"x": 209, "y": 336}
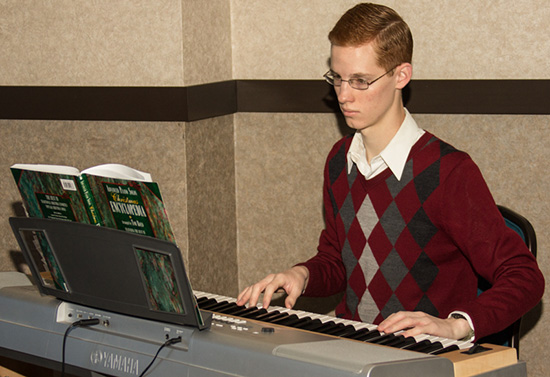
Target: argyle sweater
{"x": 420, "y": 243}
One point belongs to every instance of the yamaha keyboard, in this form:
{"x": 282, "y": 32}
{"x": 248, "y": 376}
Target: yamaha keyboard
{"x": 32, "y": 327}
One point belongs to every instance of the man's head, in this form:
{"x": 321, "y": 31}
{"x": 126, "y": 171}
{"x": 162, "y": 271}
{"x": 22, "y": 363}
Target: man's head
{"x": 370, "y": 64}
{"x": 379, "y": 24}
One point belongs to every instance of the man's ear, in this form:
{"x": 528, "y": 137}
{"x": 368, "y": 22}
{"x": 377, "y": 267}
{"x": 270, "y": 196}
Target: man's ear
{"x": 403, "y": 73}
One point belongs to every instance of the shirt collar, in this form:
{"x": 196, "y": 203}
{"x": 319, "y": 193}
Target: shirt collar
{"x": 393, "y": 156}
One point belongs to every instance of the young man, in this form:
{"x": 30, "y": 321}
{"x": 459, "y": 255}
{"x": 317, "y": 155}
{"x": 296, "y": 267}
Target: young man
{"x": 410, "y": 222}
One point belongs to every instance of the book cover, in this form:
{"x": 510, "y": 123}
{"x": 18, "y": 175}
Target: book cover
{"x": 133, "y": 206}
{"x": 50, "y": 195}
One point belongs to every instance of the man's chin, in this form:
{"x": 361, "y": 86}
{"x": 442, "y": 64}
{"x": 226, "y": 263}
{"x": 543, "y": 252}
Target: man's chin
{"x": 352, "y": 123}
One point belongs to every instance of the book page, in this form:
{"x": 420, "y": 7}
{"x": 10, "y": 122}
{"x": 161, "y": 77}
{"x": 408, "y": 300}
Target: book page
{"x": 55, "y": 169}
{"x": 118, "y": 171}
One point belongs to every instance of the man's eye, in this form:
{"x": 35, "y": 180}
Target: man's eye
{"x": 360, "y": 81}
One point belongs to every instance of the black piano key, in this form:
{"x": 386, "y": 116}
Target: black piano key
{"x": 206, "y": 303}
{"x": 234, "y": 309}
{"x": 254, "y": 313}
{"x": 295, "y": 322}
{"x": 282, "y": 319}
{"x": 389, "y": 340}
{"x": 368, "y": 335}
{"x": 304, "y": 321}
{"x": 328, "y": 326}
{"x": 288, "y": 321}
{"x": 220, "y": 307}
{"x": 244, "y": 310}
{"x": 310, "y": 325}
{"x": 331, "y": 329}
{"x": 203, "y": 299}
{"x": 270, "y": 316}
{"x": 452, "y": 347}
{"x": 435, "y": 346}
{"x": 209, "y": 305}
{"x": 261, "y": 316}
{"x": 419, "y": 346}
{"x": 341, "y": 330}
{"x": 347, "y": 330}
{"x": 407, "y": 341}
{"x": 398, "y": 341}
{"x": 357, "y": 333}
{"x": 381, "y": 338}
{"x": 227, "y": 308}
{"x": 230, "y": 308}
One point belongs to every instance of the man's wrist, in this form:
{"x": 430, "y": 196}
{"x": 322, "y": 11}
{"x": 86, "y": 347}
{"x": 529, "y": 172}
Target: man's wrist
{"x": 468, "y": 327}
{"x": 304, "y": 272}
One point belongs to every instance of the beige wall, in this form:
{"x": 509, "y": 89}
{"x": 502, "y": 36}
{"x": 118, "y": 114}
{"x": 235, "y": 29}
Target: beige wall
{"x": 465, "y": 39}
{"x": 187, "y": 42}
{"x": 244, "y": 190}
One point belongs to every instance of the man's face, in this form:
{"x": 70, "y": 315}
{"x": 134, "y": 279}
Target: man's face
{"x": 363, "y": 109}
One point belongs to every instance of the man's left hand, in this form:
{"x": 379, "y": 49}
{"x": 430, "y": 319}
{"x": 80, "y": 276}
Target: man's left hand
{"x": 416, "y": 323}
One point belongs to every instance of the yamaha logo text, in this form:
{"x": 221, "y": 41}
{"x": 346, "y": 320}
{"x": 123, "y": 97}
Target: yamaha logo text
{"x": 112, "y": 361}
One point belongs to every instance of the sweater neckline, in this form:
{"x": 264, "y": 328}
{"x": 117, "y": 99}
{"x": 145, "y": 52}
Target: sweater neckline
{"x": 418, "y": 146}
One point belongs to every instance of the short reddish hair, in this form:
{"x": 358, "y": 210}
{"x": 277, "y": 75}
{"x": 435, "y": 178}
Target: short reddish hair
{"x": 368, "y": 22}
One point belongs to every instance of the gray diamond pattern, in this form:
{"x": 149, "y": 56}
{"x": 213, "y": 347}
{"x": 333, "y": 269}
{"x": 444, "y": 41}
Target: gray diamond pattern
{"x": 348, "y": 259}
{"x": 422, "y": 228}
{"x": 396, "y": 186}
{"x": 347, "y": 212}
{"x": 426, "y": 306}
{"x": 393, "y": 305}
{"x": 392, "y": 222}
{"x": 394, "y": 270}
{"x": 367, "y": 218}
{"x": 424, "y": 271}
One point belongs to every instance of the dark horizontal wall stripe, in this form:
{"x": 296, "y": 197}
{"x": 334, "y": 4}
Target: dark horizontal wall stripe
{"x": 118, "y": 103}
{"x": 285, "y": 96}
{"x": 93, "y": 103}
{"x": 421, "y": 96}
{"x": 479, "y": 96}
{"x": 279, "y": 96}
{"x": 211, "y": 100}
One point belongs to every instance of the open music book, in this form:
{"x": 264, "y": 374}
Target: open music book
{"x": 111, "y": 195}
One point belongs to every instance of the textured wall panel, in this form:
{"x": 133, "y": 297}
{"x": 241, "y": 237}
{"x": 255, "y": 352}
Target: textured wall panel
{"x": 83, "y": 43}
{"x": 453, "y": 40}
{"x": 213, "y": 263}
{"x": 206, "y": 41}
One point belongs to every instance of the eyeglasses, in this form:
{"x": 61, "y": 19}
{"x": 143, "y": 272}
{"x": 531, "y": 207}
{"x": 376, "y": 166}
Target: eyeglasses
{"x": 358, "y": 83}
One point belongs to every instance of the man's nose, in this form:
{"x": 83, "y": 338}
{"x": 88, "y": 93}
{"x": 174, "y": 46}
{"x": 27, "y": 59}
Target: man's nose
{"x": 345, "y": 92}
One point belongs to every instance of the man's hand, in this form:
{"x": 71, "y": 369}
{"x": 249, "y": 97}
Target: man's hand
{"x": 293, "y": 281}
{"x": 416, "y": 323}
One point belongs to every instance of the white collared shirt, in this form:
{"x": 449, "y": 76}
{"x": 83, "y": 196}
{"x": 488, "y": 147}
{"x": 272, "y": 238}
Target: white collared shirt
{"x": 393, "y": 156}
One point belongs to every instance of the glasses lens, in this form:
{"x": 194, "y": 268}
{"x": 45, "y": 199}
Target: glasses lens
{"x": 329, "y": 78}
{"x": 359, "y": 83}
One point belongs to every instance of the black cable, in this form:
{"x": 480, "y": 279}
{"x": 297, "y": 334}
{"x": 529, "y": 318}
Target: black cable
{"x": 169, "y": 342}
{"x": 81, "y": 323}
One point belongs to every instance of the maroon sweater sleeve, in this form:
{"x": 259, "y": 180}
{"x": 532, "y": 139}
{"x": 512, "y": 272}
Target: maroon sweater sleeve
{"x": 469, "y": 215}
{"x": 327, "y": 275}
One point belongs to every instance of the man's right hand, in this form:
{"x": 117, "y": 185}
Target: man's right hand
{"x": 293, "y": 281}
